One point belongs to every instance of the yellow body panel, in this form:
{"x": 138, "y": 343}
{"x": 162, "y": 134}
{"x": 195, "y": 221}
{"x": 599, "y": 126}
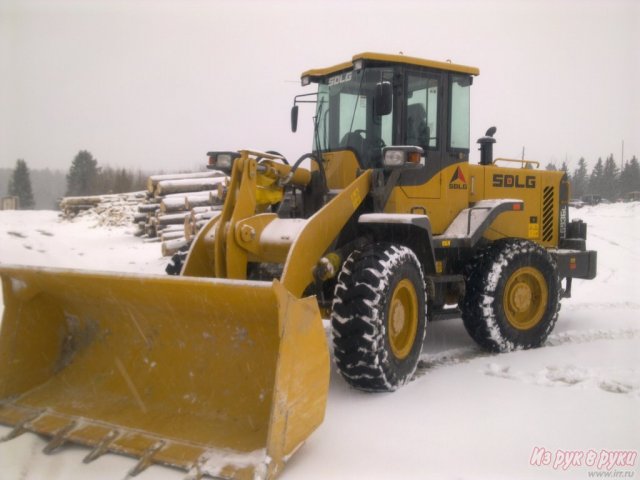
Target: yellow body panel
{"x": 341, "y": 168}
{"x": 195, "y": 370}
{"x": 460, "y": 185}
{"x": 441, "y": 198}
{"x": 539, "y": 189}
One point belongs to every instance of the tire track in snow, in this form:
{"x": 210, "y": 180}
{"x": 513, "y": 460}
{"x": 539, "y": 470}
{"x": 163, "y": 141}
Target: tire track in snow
{"x": 604, "y": 306}
{"x": 630, "y": 250}
{"x": 618, "y": 380}
{"x": 572, "y": 337}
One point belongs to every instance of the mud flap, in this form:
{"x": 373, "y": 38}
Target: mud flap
{"x": 217, "y": 377}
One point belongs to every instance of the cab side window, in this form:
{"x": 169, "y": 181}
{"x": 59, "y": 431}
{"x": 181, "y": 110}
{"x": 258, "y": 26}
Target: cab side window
{"x": 421, "y": 112}
{"x": 459, "y": 112}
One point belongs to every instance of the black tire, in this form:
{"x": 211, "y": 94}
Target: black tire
{"x": 512, "y": 296}
{"x": 174, "y": 267}
{"x": 372, "y": 351}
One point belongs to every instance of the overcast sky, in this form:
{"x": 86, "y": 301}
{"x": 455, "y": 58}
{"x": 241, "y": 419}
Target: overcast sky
{"x": 157, "y": 84}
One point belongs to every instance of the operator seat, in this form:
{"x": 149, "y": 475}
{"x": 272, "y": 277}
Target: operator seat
{"x": 417, "y": 130}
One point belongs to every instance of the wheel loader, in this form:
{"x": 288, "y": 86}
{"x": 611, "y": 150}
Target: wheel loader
{"x": 383, "y": 227}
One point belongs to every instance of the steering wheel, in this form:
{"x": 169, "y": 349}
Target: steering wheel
{"x": 360, "y": 135}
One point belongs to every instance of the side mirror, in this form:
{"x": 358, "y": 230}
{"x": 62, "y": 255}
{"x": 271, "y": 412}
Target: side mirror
{"x": 383, "y": 100}
{"x": 294, "y": 118}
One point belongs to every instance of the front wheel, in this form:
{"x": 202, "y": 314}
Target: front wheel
{"x": 378, "y": 317}
{"x": 512, "y": 296}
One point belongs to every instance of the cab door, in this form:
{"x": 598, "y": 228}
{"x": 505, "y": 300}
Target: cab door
{"x": 420, "y": 120}
{"x": 436, "y": 118}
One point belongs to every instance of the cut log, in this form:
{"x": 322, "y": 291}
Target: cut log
{"x": 74, "y": 209}
{"x": 86, "y": 200}
{"x": 139, "y": 217}
{"x": 192, "y": 201}
{"x": 196, "y": 210}
{"x": 187, "y": 185}
{"x": 151, "y": 227}
{"x": 196, "y": 221}
{"x": 140, "y": 230}
{"x": 171, "y": 235}
{"x": 153, "y": 180}
{"x": 173, "y": 205}
{"x": 172, "y": 218}
{"x": 188, "y": 229}
{"x": 176, "y": 227}
{"x": 148, "y": 207}
{"x": 172, "y": 246}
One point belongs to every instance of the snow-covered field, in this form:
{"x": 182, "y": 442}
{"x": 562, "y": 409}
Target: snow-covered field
{"x": 568, "y": 410}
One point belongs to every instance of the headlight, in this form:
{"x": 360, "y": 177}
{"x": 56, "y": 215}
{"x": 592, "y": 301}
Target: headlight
{"x": 222, "y": 160}
{"x": 399, "y": 156}
{"x": 394, "y": 158}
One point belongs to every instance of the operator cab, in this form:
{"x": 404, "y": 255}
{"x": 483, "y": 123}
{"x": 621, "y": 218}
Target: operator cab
{"x": 378, "y": 100}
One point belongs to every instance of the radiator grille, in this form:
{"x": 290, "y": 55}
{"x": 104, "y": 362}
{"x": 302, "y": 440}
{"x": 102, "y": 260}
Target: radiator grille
{"x": 547, "y": 214}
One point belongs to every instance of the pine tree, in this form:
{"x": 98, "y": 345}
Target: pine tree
{"x": 551, "y": 166}
{"x": 595, "y": 180}
{"x": 123, "y": 181}
{"x": 580, "y": 180}
{"x": 83, "y": 175}
{"x": 20, "y": 185}
{"x": 610, "y": 179}
{"x": 630, "y": 177}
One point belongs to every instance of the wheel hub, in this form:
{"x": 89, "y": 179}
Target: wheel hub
{"x": 525, "y": 298}
{"x": 403, "y": 319}
{"x": 521, "y": 297}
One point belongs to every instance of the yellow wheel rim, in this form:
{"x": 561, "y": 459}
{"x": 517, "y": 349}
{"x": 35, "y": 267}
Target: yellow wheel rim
{"x": 403, "y": 319}
{"x": 525, "y": 298}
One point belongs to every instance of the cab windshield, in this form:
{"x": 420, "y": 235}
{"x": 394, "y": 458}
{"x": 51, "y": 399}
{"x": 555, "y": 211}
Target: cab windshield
{"x": 346, "y": 116}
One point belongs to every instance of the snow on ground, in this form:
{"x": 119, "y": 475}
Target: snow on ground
{"x": 41, "y": 238}
{"x": 467, "y": 414}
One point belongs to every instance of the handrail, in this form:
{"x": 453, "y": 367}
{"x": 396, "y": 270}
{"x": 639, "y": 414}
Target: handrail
{"x": 524, "y": 163}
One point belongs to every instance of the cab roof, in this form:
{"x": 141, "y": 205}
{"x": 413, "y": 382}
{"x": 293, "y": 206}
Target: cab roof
{"x": 381, "y": 58}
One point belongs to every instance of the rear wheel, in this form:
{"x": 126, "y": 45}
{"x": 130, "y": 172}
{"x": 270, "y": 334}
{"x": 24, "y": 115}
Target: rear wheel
{"x": 512, "y": 296}
{"x": 378, "y": 317}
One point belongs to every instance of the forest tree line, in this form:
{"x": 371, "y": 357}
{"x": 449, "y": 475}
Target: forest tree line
{"x": 44, "y": 188}
{"x": 606, "y": 179}
{"x": 85, "y": 177}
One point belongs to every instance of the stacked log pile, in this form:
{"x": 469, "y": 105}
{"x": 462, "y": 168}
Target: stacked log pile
{"x": 109, "y": 210}
{"x": 177, "y": 206}
{"x": 171, "y": 211}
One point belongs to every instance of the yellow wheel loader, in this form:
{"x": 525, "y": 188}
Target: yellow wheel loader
{"x": 385, "y": 226}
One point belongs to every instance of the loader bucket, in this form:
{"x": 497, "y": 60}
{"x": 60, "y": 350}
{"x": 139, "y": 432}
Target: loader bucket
{"x": 217, "y": 377}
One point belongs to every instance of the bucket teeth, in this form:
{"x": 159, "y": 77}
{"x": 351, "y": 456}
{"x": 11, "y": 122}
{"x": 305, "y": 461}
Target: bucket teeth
{"x": 22, "y": 426}
{"x": 59, "y": 438}
{"x": 146, "y": 459}
{"x": 102, "y": 447}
